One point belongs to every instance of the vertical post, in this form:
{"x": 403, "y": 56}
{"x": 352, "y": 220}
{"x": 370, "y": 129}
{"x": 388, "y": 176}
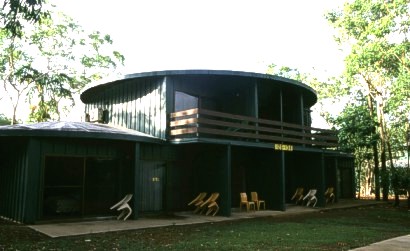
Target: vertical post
{"x": 256, "y": 104}
{"x": 226, "y": 189}
{"x": 281, "y": 110}
{"x": 282, "y": 201}
{"x": 137, "y": 185}
{"x": 302, "y": 115}
{"x": 337, "y": 180}
{"x": 322, "y": 183}
{"x": 281, "y": 105}
{"x": 256, "y": 97}
{"x": 32, "y": 172}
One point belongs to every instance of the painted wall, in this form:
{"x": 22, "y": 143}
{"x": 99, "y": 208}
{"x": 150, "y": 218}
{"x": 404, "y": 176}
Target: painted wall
{"x": 137, "y": 104}
{"x": 23, "y": 165}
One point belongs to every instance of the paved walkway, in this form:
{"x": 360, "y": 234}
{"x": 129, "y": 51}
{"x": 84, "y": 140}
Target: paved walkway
{"x": 395, "y": 244}
{"x": 181, "y": 218}
{"x": 185, "y": 218}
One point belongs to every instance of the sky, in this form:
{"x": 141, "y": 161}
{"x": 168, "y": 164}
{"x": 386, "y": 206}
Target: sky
{"x": 224, "y": 35}
{"x": 156, "y": 35}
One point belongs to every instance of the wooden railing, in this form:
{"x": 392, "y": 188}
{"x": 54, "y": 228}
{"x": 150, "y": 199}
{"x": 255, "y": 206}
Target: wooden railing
{"x": 205, "y": 123}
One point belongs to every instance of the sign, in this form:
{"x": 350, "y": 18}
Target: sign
{"x": 282, "y": 147}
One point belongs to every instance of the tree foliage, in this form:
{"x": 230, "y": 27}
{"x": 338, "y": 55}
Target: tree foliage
{"x": 17, "y": 13}
{"x": 52, "y": 62}
{"x": 376, "y": 33}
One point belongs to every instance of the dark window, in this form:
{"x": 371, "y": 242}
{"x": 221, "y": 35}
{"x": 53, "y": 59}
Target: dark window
{"x": 185, "y": 101}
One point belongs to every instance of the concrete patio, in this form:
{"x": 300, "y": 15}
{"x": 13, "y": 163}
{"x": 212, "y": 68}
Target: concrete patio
{"x": 179, "y": 218}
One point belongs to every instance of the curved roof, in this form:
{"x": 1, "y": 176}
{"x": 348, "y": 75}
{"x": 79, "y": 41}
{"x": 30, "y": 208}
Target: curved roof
{"x": 87, "y": 94}
{"x": 75, "y": 130}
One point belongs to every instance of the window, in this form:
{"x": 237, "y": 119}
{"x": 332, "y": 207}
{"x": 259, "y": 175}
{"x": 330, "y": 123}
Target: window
{"x": 185, "y": 101}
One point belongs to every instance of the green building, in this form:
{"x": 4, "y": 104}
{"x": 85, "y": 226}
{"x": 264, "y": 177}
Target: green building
{"x": 167, "y": 136}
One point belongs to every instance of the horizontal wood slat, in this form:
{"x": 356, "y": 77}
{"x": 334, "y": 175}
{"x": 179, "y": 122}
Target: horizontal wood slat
{"x": 238, "y": 127}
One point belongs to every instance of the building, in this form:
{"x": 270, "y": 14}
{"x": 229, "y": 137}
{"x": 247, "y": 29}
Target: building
{"x": 181, "y": 133}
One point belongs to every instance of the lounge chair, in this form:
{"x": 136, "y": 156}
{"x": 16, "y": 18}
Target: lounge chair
{"x": 257, "y": 201}
{"x": 212, "y": 208}
{"x": 329, "y": 195}
{"x": 197, "y": 199}
{"x": 123, "y": 206}
{"x": 244, "y": 201}
{"x": 210, "y": 205}
{"x": 298, "y": 196}
{"x": 310, "y": 197}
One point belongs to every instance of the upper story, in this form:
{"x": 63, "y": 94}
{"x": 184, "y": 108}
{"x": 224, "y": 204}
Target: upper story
{"x": 212, "y": 106}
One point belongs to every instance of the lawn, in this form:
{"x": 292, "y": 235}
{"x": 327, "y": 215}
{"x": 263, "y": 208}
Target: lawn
{"x": 340, "y": 229}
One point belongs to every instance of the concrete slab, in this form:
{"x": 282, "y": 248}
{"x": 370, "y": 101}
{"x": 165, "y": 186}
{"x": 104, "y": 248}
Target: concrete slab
{"x": 181, "y": 218}
{"x": 394, "y": 244}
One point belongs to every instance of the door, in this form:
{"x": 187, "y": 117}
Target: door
{"x": 152, "y": 184}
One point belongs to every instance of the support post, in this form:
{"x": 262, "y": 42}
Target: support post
{"x": 137, "y": 185}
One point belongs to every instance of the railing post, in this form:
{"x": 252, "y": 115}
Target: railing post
{"x": 197, "y": 122}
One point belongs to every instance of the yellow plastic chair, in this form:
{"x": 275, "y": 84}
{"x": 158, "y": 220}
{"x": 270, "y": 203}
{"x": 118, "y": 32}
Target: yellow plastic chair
{"x": 298, "y": 196}
{"x": 210, "y": 205}
{"x": 257, "y": 201}
{"x": 246, "y": 203}
{"x": 200, "y": 197}
{"x": 329, "y": 195}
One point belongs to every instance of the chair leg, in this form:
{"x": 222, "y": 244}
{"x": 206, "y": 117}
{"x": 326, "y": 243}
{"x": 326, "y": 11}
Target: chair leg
{"x": 129, "y": 213}
{"x": 216, "y": 211}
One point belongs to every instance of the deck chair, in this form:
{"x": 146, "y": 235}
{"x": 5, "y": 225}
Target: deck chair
{"x": 298, "y": 196}
{"x": 257, "y": 201}
{"x": 198, "y": 203}
{"x": 329, "y": 195}
{"x": 197, "y": 199}
{"x": 246, "y": 203}
{"x": 310, "y": 197}
{"x": 209, "y": 205}
{"x": 123, "y": 206}
{"x": 213, "y": 206}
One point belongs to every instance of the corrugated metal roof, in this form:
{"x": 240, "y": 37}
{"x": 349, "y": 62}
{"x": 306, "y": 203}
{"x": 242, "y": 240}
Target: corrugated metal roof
{"x": 75, "y": 130}
{"x": 87, "y": 94}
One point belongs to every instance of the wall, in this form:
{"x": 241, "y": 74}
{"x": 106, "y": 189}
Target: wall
{"x": 137, "y": 104}
{"x": 22, "y": 170}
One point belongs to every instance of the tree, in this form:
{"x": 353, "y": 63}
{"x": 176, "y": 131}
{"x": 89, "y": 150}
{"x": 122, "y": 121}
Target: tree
{"x": 52, "y": 63}
{"x": 356, "y": 135}
{"x": 4, "y": 120}
{"x": 376, "y": 33}
{"x": 18, "y": 12}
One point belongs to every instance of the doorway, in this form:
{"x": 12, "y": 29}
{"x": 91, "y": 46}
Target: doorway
{"x": 79, "y": 186}
{"x": 152, "y": 184}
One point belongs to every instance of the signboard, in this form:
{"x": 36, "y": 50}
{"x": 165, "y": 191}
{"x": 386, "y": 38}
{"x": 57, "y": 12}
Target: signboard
{"x": 283, "y": 147}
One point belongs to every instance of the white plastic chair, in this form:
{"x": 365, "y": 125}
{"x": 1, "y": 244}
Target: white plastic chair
{"x": 310, "y": 197}
{"x": 123, "y": 206}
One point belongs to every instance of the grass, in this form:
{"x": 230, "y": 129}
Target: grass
{"x": 340, "y": 229}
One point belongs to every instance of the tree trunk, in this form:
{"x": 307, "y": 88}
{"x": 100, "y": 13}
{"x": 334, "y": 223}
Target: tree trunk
{"x": 375, "y": 152}
{"x": 384, "y": 174}
{"x": 396, "y": 195}
{"x": 383, "y": 140}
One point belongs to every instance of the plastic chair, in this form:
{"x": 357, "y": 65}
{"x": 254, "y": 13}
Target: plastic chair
{"x": 197, "y": 199}
{"x": 244, "y": 201}
{"x": 123, "y": 206}
{"x": 210, "y": 205}
{"x": 298, "y": 196}
{"x": 329, "y": 195}
{"x": 257, "y": 201}
{"x": 310, "y": 197}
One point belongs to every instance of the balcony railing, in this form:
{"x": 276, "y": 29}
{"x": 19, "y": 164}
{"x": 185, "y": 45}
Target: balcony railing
{"x": 211, "y": 124}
